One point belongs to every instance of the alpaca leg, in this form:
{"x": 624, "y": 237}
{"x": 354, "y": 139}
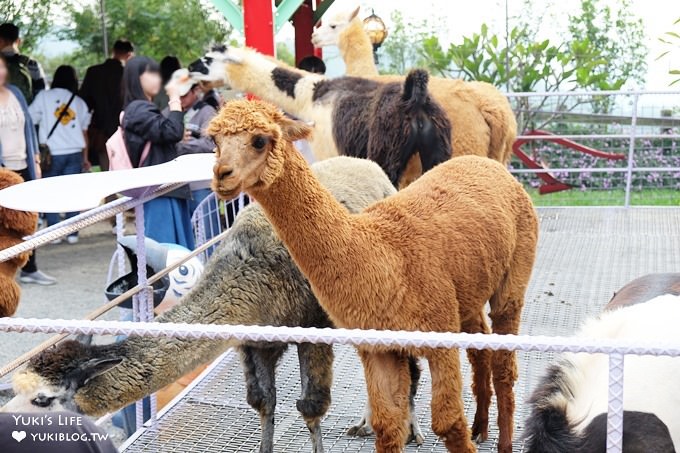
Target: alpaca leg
{"x": 480, "y": 359}
{"x": 363, "y": 428}
{"x": 416, "y": 434}
{"x": 506, "y": 309}
{"x": 388, "y": 383}
{"x": 259, "y": 366}
{"x": 448, "y": 413}
{"x": 316, "y": 376}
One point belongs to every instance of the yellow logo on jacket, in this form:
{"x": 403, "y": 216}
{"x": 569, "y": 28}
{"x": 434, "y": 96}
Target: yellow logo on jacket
{"x": 69, "y": 116}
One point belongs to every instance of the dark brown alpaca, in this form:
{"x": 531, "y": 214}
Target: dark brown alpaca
{"x": 427, "y": 258}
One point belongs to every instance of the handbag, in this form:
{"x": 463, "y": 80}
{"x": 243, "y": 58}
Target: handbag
{"x": 45, "y": 154}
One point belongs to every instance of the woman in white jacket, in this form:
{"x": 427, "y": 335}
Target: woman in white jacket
{"x": 63, "y": 118}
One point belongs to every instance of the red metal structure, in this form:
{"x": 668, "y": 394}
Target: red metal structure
{"x": 552, "y": 184}
{"x": 303, "y": 21}
{"x": 258, "y": 25}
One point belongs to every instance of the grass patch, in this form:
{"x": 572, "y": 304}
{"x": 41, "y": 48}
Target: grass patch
{"x": 616, "y": 197}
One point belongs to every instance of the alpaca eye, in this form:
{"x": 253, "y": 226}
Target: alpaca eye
{"x": 259, "y": 142}
{"x": 332, "y": 27}
{"x": 42, "y": 401}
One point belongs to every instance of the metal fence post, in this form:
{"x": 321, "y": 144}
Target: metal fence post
{"x": 631, "y": 149}
{"x": 615, "y": 407}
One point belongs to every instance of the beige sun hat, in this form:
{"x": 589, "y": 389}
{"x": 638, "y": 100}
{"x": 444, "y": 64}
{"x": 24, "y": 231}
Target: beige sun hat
{"x": 184, "y": 80}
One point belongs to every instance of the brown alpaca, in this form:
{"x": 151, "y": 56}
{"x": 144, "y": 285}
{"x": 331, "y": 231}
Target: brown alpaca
{"x": 427, "y": 258}
{"x": 14, "y": 225}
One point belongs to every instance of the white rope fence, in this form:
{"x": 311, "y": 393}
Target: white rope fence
{"x": 616, "y": 349}
{"x": 355, "y": 337}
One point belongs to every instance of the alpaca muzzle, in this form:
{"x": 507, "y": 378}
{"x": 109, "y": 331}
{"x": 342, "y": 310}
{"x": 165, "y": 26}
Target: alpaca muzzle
{"x": 223, "y": 171}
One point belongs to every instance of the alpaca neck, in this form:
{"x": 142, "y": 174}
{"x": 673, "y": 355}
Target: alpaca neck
{"x": 313, "y": 225}
{"x": 254, "y": 75}
{"x": 357, "y": 50}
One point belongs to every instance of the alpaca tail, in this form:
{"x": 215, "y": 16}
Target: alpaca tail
{"x": 548, "y": 430}
{"x": 500, "y": 119}
{"x": 415, "y": 88}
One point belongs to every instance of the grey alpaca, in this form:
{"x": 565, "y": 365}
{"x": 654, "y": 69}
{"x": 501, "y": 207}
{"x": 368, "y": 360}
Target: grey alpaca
{"x": 251, "y": 279}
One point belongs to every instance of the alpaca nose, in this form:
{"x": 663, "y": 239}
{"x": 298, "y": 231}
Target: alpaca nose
{"x": 223, "y": 171}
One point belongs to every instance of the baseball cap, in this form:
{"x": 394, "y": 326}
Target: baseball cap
{"x": 184, "y": 80}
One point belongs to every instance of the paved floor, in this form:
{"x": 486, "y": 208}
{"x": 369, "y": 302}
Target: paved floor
{"x": 584, "y": 256}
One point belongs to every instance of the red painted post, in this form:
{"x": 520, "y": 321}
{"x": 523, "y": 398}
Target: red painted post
{"x": 258, "y": 22}
{"x": 303, "y": 21}
{"x": 318, "y": 51}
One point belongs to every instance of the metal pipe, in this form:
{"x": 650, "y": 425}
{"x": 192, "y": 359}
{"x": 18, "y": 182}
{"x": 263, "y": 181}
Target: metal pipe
{"x": 631, "y": 150}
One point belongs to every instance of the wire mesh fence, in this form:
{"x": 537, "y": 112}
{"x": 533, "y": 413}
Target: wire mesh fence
{"x": 599, "y": 148}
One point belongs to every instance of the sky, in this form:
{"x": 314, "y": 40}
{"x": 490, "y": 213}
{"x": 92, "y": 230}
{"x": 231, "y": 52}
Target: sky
{"x": 456, "y": 18}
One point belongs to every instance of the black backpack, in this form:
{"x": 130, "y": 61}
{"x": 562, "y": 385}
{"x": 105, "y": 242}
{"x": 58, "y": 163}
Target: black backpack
{"x": 20, "y": 75}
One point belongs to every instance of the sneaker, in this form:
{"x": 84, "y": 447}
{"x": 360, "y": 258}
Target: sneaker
{"x": 56, "y": 241}
{"x": 72, "y": 239}
{"x": 37, "y": 277}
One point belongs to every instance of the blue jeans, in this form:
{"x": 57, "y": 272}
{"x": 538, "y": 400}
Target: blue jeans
{"x": 168, "y": 220}
{"x": 66, "y": 164}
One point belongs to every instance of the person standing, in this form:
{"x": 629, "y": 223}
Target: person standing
{"x": 26, "y": 73}
{"x": 101, "y": 90}
{"x": 19, "y": 152}
{"x": 169, "y": 65}
{"x": 166, "y": 218}
{"x": 63, "y": 118}
{"x": 197, "y": 115}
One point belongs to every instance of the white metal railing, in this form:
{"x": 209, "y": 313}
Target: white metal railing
{"x": 631, "y": 136}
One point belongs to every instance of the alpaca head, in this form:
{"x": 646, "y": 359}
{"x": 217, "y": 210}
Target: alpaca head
{"x": 52, "y": 379}
{"x": 251, "y": 137}
{"x": 328, "y": 34}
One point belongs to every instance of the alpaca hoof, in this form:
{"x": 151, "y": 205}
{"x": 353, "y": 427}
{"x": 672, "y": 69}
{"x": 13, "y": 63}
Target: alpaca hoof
{"x": 480, "y": 432}
{"x": 418, "y": 439}
{"x": 359, "y": 431}
{"x": 480, "y": 438}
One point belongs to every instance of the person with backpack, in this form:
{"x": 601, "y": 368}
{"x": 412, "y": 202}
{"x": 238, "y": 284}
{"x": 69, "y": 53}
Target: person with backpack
{"x": 63, "y": 118}
{"x": 25, "y": 73}
{"x": 19, "y": 152}
{"x": 150, "y": 139}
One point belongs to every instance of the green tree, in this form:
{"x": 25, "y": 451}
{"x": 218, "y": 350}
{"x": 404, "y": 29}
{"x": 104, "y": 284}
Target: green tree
{"x": 185, "y": 28}
{"x": 284, "y": 54}
{"x": 32, "y": 16}
{"x": 672, "y": 40}
{"x": 619, "y": 37}
{"x": 403, "y": 48}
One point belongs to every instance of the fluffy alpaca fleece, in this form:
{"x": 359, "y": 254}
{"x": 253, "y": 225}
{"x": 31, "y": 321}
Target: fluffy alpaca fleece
{"x": 385, "y": 122}
{"x": 482, "y": 122}
{"x": 251, "y": 279}
{"x": 14, "y": 225}
{"x": 570, "y": 404}
{"x": 427, "y": 258}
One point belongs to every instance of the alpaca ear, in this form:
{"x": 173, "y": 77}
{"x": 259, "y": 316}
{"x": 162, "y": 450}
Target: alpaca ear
{"x": 293, "y": 130}
{"x": 95, "y": 367}
{"x": 355, "y": 13}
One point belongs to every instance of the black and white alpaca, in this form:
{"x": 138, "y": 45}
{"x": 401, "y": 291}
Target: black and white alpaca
{"x": 384, "y": 122}
{"x": 569, "y": 406}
